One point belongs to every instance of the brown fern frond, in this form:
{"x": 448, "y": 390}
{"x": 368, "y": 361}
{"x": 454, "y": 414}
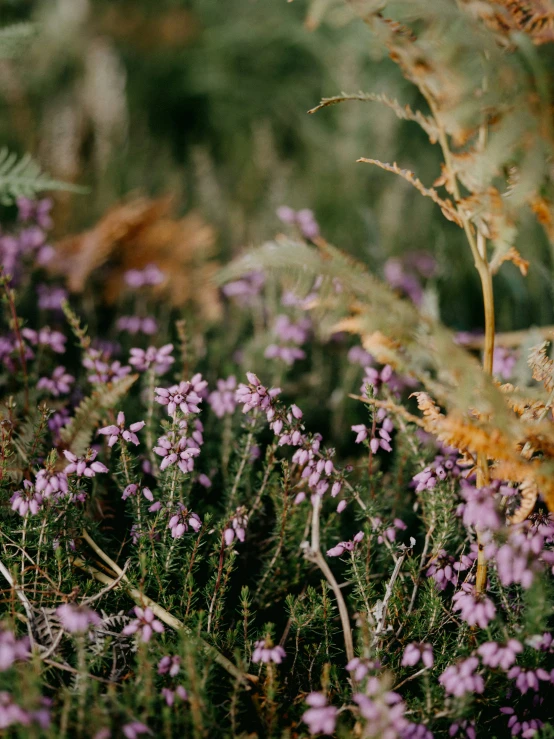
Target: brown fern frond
{"x": 404, "y": 112}
{"x": 542, "y": 366}
{"x": 529, "y": 493}
{"x": 446, "y": 206}
{"x": 512, "y": 255}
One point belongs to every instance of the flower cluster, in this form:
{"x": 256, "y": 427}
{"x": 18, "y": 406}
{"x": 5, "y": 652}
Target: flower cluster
{"x": 304, "y": 219}
{"x": 158, "y": 360}
{"x": 115, "y": 432}
{"x": 145, "y": 624}
{"x": 264, "y": 652}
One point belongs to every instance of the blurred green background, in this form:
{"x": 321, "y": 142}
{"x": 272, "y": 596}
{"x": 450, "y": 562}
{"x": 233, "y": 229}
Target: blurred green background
{"x": 208, "y": 100}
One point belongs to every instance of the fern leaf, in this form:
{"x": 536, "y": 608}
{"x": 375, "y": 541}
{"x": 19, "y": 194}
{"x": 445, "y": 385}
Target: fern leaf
{"x": 405, "y": 113}
{"x": 78, "y": 433}
{"x": 23, "y": 177}
{"x": 448, "y": 209}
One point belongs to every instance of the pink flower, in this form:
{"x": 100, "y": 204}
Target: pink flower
{"x": 135, "y": 729}
{"x": 77, "y": 619}
{"x": 180, "y": 522}
{"x": 495, "y": 655}
{"x": 51, "y": 483}
{"x": 59, "y": 384}
{"x": 461, "y": 678}
{"x": 169, "y": 665}
{"x": 115, "y": 431}
{"x": 145, "y": 624}
{"x": 222, "y": 400}
{"x": 28, "y": 500}
{"x": 417, "y": 651}
{"x": 160, "y": 360}
{"x": 12, "y": 649}
{"x": 265, "y": 653}
{"x": 83, "y": 465}
{"x": 476, "y": 610}
{"x": 236, "y": 527}
{"x": 320, "y": 717}
{"x": 182, "y": 396}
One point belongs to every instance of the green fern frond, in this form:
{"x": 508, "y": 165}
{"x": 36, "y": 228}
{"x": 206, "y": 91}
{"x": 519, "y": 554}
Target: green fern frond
{"x": 23, "y": 177}
{"x": 78, "y": 433}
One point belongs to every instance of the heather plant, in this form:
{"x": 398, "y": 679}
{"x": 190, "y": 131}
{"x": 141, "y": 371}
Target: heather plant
{"x": 317, "y": 514}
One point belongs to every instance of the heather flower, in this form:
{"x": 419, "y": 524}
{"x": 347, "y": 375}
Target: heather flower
{"x": 169, "y": 695}
{"x": 135, "y": 729}
{"x": 59, "y": 384}
{"x": 468, "y": 727}
{"x": 246, "y": 289}
{"x": 12, "y": 649}
{"x": 28, "y": 500}
{"x": 288, "y": 354}
{"x": 10, "y": 713}
{"x": 345, "y": 546}
{"x": 182, "y": 520}
{"x": 222, "y": 400}
{"x": 384, "y": 713}
{"x": 136, "y": 324}
{"x": 320, "y": 717}
{"x": 236, "y": 527}
{"x": 37, "y": 211}
{"x": 416, "y": 731}
{"x": 516, "y": 560}
{"x": 296, "y": 332}
{"x": 180, "y": 396}
{"x": 461, "y": 678}
{"x": 255, "y": 395}
{"x": 159, "y": 360}
{"x": 362, "y": 431}
{"x": 46, "y": 337}
{"x": 144, "y": 624}
{"x": 504, "y": 361}
{"x": 479, "y": 509}
{"x": 103, "y": 370}
{"x": 77, "y": 619}
{"x": 528, "y": 679}
{"x": 51, "y": 297}
{"x": 405, "y": 282}
{"x": 444, "y": 465}
{"x": 475, "y": 609}
{"x": 265, "y": 653}
{"x": 51, "y": 483}
{"x": 304, "y": 219}
{"x": 358, "y": 355}
{"x": 169, "y": 665}
{"x": 526, "y": 727}
{"x": 175, "y": 450}
{"x": 417, "y": 651}
{"x": 149, "y": 276}
{"x": 83, "y": 465}
{"x": 133, "y": 489}
{"x": 359, "y": 667}
{"x": 495, "y": 655}
{"x": 115, "y": 431}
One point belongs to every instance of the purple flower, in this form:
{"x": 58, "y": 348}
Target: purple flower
{"x": 46, "y": 337}
{"x": 528, "y": 679}
{"x": 28, "y": 500}
{"x": 135, "y": 728}
{"x": 136, "y": 324}
{"x": 51, "y": 297}
{"x": 345, "y": 546}
{"x": 169, "y": 695}
{"x": 516, "y": 560}
{"x": 265, "y": 653}
{"x": 103, "y": 371}
{"x": 468, "y": 727}
{"x": 358, "y": 355}
{"x": 144, "y": 624}
{"x": 10, "y": 713}
{"x": 320, "y": 717}
{"x": 180, "y": 396}
{"x": 51, "y": 483}
{"x": 77, "y": 619}
{"x": 176, "y": 450}
{"x": 495, "y": 655}
{"x": 479, "y": 509}
{"x": 475, "y": 609}
{"x": 255, "y": 395}
{"x": 169, "y": 665}
{"x": 12, "y": 649}
{"x": 222, "y": 400}
{"x": 160, "y": 360}
{"x": 418, "y": 651}
{"x": 83, "y": 465}
{"x": 114, "y": 432}
{"x": 362, "y": 431}
{"x": 524, "y": 726}
{"x": 503, "y": 362}
{"x": 304, "y": 219}
{"x": 416, "y": 731}
{"x": 359, "y": 667}
{"x": 59, "y": 384}
{"x": 236, "y": 528}
{"x": 461, "y": 678}
{"x": 149, "y": 276}
{"x": 383, "y": 712}
{"x": 182, "y": 520}
{"x": 132, "y": 489}
{"x": 35, "y": 210}
{"x": 246, "y": 289}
